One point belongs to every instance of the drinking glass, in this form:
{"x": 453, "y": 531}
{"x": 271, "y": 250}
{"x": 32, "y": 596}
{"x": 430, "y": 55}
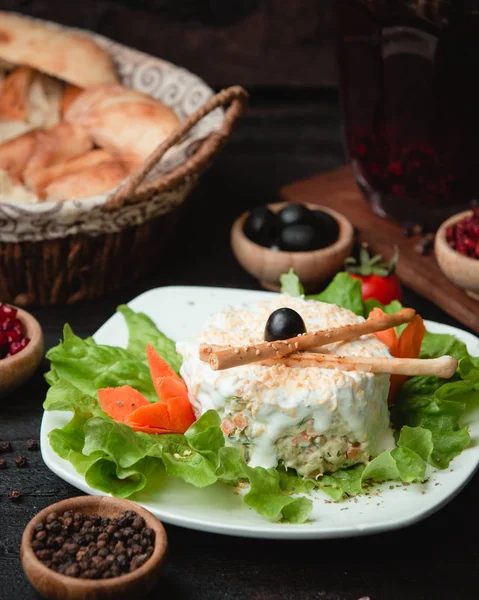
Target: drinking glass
{"x": 410, "y": 101}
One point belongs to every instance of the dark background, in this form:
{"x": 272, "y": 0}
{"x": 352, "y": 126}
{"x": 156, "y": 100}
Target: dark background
{"x": 283, "y": 52}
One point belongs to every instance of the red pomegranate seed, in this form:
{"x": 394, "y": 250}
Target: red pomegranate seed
{"x": 13, "y": 336}
{"x": 7, "y": 324}
{"x": 15, "y": 347}
{"x": 450, "y": 233}
{"x": 7, "y": 311}
{"x": 18, "y": 326}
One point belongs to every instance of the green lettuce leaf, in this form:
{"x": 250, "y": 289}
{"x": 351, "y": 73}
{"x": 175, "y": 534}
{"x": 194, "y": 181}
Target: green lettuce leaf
{"x": 381, "y": 468}
{"x": 391, "y": 308}
{"x": 410, "y": 465}
{"x": 121, "y": 482}
{"x": 63, "y": 395}
{"x": 423, "y": 402}
{"x": 290, "y": 284}
{"x": 143, "y": 331}
{"x": 89, "y": 366}
{"x": 290, "y": 481}
{"x": 68, "y": 443}
{"x": 268, "y": 499}
{"x": 440, "y": 344}
{"x": 231, "y": 469}
{"x": 417, "y": 439}
{"x": 345, "y": 482}
{"x": 344, "y": 291}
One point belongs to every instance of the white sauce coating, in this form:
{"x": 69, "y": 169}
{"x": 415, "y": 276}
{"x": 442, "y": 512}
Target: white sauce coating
{"x": 341, "y": 403}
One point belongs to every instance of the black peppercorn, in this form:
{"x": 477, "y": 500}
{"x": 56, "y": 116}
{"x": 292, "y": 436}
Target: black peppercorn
{"x": 15, "y": 495}
{"x": 3, "y": 463}
{"x": 21, "y": 461}
{"x": 6, "y": 447}
{"x": 32, "y": 445}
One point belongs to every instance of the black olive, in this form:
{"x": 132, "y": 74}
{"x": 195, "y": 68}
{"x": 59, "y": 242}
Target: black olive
{"x": 261, "y": 226}
{"x": 327, "y": 226}
{"x": 301, "y": 238}
{"x": 282, "y": 324}
{"x": 296, "y": 214}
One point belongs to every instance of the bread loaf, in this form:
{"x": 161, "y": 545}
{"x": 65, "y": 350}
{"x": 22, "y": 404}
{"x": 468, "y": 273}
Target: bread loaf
{"x": 51, "y": 49}
{"x": 122, "y": 120}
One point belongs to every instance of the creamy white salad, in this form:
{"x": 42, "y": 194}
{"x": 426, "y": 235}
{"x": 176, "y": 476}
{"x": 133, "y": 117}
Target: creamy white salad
{"x": 311, "y": 419}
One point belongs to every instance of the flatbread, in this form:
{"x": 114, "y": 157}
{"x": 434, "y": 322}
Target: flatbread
{"x": 15, "y": 154}
{"x": 70, "y": 94}
{"x": 90, "y": 181}
{"x": 28, "y": 100}
{"x": 58, "y": 144}
{"x": 39, "y": 179}
{"x": 122, "y": 120}
{"x": 14, "y": 95}
{"x": 60, "y": 52}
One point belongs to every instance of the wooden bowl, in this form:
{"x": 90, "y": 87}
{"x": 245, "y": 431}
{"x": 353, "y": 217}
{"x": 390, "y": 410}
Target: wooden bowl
{"x": 313, "y": 268}
{"x": 461, "y": 270}
{"x": 16, "y": 369}
{"x": 54, "y": 586}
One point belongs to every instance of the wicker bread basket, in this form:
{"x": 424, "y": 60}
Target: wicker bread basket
{"x": 53, "y": 253}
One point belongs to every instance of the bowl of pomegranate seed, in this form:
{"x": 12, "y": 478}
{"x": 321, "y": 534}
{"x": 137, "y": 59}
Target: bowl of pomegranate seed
{"x": 21, "y": 347}
{"x": 457, "y": 250}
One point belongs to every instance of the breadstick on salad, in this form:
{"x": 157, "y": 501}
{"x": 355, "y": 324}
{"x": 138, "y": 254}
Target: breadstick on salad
{"x": 443, "y": 367}
{"x": 230, "y": 357}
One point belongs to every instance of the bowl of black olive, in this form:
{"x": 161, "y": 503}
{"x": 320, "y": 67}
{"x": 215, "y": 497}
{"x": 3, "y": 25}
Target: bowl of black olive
{"x": 313, "y": 240}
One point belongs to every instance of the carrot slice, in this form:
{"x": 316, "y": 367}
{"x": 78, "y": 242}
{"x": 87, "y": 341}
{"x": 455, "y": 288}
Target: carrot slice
{"x": 120, "y": 402}
{"x": 153, "y": 415}
{"x": 411, "y": 338}
{"x": 388, "y": 336}
{"x": 181, "y": 413}
{"x": 174, "y": 415}
{"x": 170, "y": 387}
{"x": 409, "y": 346}
{"x": 158, "y": 366}
{"x": 150, "y": 430}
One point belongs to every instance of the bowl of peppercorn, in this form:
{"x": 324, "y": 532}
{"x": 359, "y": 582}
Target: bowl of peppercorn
{"x": 21, "y": 347}
{"x": 94, "y": 547}
{"x": 457, "y": 250}
{"x": 313, "y": 240}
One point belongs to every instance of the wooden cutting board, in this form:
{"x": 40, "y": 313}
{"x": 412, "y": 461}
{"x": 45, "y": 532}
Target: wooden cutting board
{"x": 337, "y": 189}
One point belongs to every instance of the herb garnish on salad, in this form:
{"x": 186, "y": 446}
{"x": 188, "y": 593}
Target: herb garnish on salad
{"x": 428, "y": 418}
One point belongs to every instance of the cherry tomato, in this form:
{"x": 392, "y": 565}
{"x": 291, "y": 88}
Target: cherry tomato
{"x": 385, "y": 289}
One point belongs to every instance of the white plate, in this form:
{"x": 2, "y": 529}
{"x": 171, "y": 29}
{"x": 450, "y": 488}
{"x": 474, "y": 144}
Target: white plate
{"x": 180, "y": 312}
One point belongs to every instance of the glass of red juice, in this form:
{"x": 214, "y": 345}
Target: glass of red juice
{"x": 410, "y": 99}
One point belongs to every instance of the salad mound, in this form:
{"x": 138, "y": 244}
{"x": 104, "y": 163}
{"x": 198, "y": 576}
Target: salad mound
{"x": 428, "y": 418}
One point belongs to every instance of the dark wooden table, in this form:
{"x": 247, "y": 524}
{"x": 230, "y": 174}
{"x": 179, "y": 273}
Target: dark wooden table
{"x": 285, "y": 136}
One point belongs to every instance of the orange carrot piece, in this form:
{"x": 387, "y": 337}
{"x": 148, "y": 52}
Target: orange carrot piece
{"x": 170, "y": 387}
{"x": 388, "y": 336}
{"x": 158, "y": 366}
{"x": 153, "y": 415}
{"x": 120, "y": 402}
{"x": 181, "y": 413}
{"x": 409, "y": 346}
{"x": 411, "y": 338}
{"x": 150, "y": 430}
